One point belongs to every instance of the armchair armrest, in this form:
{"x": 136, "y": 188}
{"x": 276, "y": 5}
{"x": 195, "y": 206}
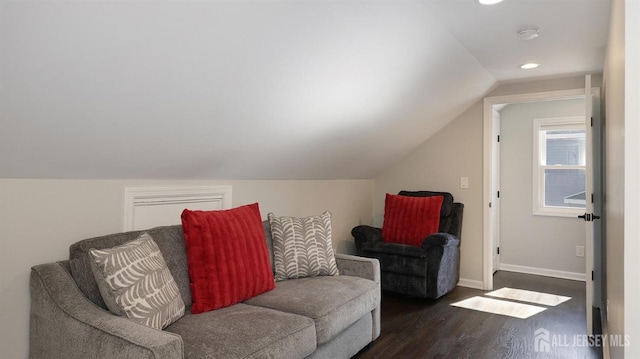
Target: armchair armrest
{"x": 443, "y": 263}
{"x": 367, "y": 268}
{"x": 440, "y": 239}
{"x": 65, "y": 324}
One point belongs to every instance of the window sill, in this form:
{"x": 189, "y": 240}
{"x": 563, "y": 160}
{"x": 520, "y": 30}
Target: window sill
{"x": 560, "y": 213}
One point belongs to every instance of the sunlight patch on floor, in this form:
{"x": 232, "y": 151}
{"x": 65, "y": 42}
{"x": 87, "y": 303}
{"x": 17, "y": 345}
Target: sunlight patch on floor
{"x": 528, "y": 296}
{"x": 502, "y": 307}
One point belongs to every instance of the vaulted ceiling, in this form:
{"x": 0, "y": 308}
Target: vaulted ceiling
{"x": 263, "y": 89}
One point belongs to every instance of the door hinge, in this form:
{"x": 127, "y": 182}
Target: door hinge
{"x": 498, "y": 138}
{"x": 591, "y": 121}
{"x": 498, "y": 194}
{"x": 592, "y": 275}
{"x": 592, "y": 198}
{"x": 498, "y": 250}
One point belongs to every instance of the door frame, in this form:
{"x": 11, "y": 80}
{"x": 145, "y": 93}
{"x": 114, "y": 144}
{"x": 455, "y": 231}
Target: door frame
{"x": 495, "y": 189}
{"x": 489, "y": 146}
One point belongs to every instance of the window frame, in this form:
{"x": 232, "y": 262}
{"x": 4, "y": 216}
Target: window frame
{"x": 539, "y": 208}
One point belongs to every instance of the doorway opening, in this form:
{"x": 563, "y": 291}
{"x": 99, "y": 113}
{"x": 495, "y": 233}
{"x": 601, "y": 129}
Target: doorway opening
{"x": 492, "y": 170}
{"x": 541, "y": 182}
{"x": 491, "y": 187}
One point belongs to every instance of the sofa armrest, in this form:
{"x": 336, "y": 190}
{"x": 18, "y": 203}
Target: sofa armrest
{"x": 440, "y": 239}
{"x": 65, "y": 324}
{"x": 368, "y": 268}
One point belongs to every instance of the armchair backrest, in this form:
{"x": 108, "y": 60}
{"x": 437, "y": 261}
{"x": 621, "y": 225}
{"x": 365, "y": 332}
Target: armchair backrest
{"x": 450, "y": 213}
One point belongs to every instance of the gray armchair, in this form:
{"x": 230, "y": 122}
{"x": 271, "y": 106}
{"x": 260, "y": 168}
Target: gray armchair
{"x": 428, "y": 271}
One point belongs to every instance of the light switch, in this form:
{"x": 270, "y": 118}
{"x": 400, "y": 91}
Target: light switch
{"x": 464, "y": 182}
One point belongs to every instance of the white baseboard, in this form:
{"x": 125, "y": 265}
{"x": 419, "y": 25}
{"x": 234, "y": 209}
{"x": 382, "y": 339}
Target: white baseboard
{"x": 543, "y": 272}
{"x": 470, "y": 283}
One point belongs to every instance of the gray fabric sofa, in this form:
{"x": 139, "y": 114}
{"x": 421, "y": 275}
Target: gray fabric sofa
{"x": 317, "y": 317}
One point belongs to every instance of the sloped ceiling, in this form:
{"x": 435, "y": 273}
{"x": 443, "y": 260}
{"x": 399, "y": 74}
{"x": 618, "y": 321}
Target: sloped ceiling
{"x": 238, "y": 89}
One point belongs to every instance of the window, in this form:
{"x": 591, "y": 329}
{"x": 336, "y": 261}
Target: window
{"x": 559, "y": 172}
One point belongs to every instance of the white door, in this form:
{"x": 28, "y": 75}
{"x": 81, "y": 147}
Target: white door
{"x": 598, "y": 204}
{"x": 593, "y": 222}
{"x": 495, "y": 197}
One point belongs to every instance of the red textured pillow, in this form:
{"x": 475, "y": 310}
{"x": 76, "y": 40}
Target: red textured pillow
{"x": 227, "y": 256}
{"x": 409, "y": 220}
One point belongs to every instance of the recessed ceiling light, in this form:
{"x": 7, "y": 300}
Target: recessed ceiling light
{"x": 489, "y": 2}
{"x": 529, "y": 66}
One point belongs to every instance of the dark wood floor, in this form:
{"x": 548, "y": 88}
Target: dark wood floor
{"x": 414, "y": 328}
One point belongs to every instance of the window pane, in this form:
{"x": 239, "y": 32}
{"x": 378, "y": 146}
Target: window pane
{"x": 565, "y": 188}
{"x": 566, "y": 147}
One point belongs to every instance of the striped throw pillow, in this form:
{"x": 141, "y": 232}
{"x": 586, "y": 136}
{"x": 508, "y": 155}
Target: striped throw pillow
{"x": 134, "y": 281}
{"x": 302, "y": 247}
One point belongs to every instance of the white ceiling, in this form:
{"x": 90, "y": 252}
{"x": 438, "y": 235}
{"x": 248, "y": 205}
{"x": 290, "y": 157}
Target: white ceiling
{"x": 261, "y": 89}
{"x": 572, "y": 39}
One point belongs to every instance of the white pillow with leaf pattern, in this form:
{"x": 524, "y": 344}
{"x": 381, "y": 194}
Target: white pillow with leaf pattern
{"x": 302, "y": 247}
{"x": 134, "y": 280}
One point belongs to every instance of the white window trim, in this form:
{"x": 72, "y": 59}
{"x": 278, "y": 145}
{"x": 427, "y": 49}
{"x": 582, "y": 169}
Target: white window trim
{"x": 538, "y": 169}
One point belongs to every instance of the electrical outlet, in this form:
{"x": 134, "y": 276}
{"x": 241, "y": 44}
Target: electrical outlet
{"x": 579, "y": 251}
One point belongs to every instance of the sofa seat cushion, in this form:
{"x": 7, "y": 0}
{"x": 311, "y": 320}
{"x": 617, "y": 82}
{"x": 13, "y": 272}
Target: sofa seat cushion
{"x": 334, "y": 303}
{"x": 244, "y": 331}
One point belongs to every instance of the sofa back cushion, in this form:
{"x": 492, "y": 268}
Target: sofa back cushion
{"x": 169, "y": 239}
{"x": 269, "y": 238}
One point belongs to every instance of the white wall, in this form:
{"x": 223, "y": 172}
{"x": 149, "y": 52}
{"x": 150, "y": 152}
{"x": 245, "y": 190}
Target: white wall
{"x": 632, "y": 176}
{"x": 622, "y": 78}
{"x": 454, "y": 152}
{"x": 39, "y": 219}
{"x": 437, "y": 165}
{"x": 615, "y": 167}
{"x": 541, "y": 242}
